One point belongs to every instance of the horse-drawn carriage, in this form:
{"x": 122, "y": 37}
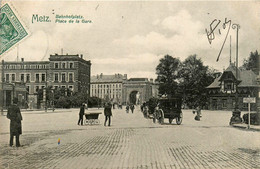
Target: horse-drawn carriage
{"x": 168, "y": 108}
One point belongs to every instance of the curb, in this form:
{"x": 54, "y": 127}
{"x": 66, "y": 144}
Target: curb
{"x": 252, "y": 128}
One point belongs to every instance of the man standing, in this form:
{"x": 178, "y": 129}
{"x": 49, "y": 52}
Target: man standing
{"x": 81, "y": 114}
{"x": 15, "y": 116}
{"x": 132, "y": 107}
{"x": 108, "y": 112}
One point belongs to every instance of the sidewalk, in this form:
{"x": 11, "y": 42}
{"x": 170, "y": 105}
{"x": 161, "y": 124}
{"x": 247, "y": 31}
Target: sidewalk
{"x": 245, "y": 126}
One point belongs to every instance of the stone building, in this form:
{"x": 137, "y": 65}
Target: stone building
{"x": 122, "y": 90}
{"x": 11, "y": 90}
{"x": 64, "y": 71}
{"x": 223, "y": 90}
{"x": 108, "y": 86}
{"x": 141, "y": 87}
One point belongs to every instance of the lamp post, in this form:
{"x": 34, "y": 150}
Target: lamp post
{"x": 236, "y": 112}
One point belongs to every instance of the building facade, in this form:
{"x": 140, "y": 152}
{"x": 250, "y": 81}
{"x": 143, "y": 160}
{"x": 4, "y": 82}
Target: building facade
{"x": 119, "y": 89}
{"x": 108, "y": 86}
{"x": 61, "y": 71}
{"x": 223, "y": 90}
{"x": 138, "y": 90}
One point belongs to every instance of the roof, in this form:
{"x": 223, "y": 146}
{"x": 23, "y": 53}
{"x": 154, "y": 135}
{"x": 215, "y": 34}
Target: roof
{"x": 232, "y": 68}
{"x": 139, "y": 79}
{"x": 215, "y": 84}
{"x": 107, "y": 78}
{"x": 247, "y": 78}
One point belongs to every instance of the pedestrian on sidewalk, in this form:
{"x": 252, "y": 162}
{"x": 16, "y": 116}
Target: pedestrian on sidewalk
{"x": 198, "y": 111}
{"x": 132, "y": 107}
{"x": 15, "y": 116}
{"x": 127, "y": 108}
{"x": 81, "y": 114}
{"x": 107, "y": 113}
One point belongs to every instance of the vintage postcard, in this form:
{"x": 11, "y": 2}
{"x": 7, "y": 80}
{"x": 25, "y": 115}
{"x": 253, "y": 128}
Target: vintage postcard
{"x": 129, "y": 84}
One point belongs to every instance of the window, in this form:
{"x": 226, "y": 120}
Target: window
{"x": 71, "y": 88}
{"x": 36, "y": 88}
{"x": 22, "y": 77}
{"x": 37, "y": 77}
{"x": 63, "y": 65}
{"x": 245, "y": 105}
{"x": 13, "y": 77}
{"x": 28, "y": 78}
{"x": 43, "y": 78}
{"x": 71, "y": 65}
{"x": 56, "y": 77}
{"x": 63, "y": 77}
{"x": 56, "y": 87}
{"x": 228, "y": 86}
{"x": 56, "y": 65}
{"x": 43, "y": 87}
{"x": 28, "y": 89}
{"x": 70, "y": 77}
{"x": 7, "y": 78}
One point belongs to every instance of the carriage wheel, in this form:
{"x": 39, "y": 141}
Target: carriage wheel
{"x": 179, "y": 119}
{"x": 97, "y": 121}
{"x": 87, "y": 121}
{"x": 91, "y": 121}
{"x": 170, "y": 120}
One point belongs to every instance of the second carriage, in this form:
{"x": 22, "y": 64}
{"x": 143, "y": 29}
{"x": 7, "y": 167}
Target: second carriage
{"x": 168, "y": 108}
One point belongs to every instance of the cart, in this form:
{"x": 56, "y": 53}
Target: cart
{"x": 92, "y": 118}
{"x": 169, "y": 108}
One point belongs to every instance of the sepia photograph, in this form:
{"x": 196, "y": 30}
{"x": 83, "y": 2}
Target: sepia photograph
{"x": 129, "y": 84}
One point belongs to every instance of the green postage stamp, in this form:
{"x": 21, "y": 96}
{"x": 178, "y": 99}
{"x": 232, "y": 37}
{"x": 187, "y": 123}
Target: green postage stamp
{"x": 11, "y": 29}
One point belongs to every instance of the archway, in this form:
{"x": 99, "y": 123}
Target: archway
{"x": 134, "y": 97}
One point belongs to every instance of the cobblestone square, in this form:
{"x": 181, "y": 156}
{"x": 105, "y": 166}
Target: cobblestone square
{"x": 131, "y": 142}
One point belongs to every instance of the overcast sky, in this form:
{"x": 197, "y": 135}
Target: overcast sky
{"x": 131, "y": 37}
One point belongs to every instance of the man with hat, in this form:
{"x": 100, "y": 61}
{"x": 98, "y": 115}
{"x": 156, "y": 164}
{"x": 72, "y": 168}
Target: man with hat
{"x": 15, "y": 116}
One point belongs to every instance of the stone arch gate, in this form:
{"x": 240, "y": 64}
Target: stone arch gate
{"x": 137, "y": 85}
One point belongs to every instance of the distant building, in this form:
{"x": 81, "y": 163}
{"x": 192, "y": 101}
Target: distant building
{"x": 108, "y": 86}
{"x": 223, "y": 90}
{"x": 119, "y": 89}
{"x": 61, "y": 71}
{"x": 11, "y": 90}
{"x": 141, "y": 86}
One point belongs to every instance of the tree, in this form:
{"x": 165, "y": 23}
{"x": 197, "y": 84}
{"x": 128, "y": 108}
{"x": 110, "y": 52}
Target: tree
{"x": 252, "y": 63}
{"x": 167, "y": 75}
{"x": 194, "y": 78}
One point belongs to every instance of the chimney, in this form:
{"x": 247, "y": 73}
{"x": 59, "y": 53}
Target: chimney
{"x": 22, "y": 59}
{"x": 115, "y": 75}
{"x": 151, "y": 80}
{"x": 97, "y": 76}
{"x": 125, "y": 76}
{"x": 81, "y": 56}
{"x": 101, "y": 75}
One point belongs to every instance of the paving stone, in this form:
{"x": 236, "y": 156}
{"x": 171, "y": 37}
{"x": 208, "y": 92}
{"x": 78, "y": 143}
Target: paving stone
{"x": 131, "y": 142}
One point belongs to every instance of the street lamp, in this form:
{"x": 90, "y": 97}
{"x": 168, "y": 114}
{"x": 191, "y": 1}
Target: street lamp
{"x": 236, "y": 112}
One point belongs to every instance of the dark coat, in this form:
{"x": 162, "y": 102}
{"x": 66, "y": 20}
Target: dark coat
{"x": 82, "y": 111}
{"x": 132, "y": 107}
{"x": 107, "y": 109}
{"x": 14, "y": 114}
